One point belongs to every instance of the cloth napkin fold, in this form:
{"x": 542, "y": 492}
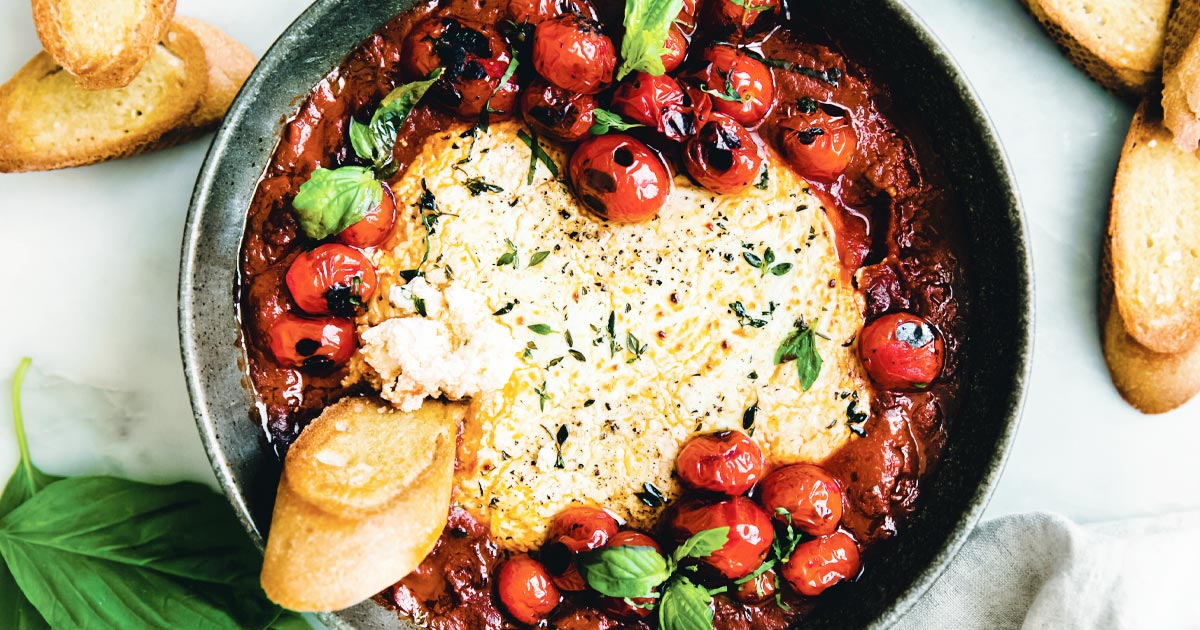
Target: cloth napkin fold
{"x": 1043, "y": 571}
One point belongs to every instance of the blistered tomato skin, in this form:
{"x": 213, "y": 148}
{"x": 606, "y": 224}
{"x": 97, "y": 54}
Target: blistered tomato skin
{"x": 687, "y": 17}
{"x": 619, "y": 607}
{"x": 575, "y": 530}
{"x": 538, "y": 11}
{"x": 742, "y": 16}
{"x": 572, "y": 52}
{"x": 676, "y": 47}
{"x": 557, "y": 113}
{"x": 376, "y": 226}
{"x": 901, "y": 351}
{"x": 820, "y": 145}
{"x": 750, "y": 532}
{"x": 314, "y": 345}
{"x": 474, "y": 58}
{"x": 728, "y": 462}
{"x": 526, "y": 590}
{"x": 658, "y": 102}
{"x": 822, "y": 562}
{"x": 731, "y": 72}
{"x": 758, "y": 589}
{"x": 332, "y": 279}
{"x": 806, "y": 496}
{"x": 724, "y": 156}
{"x": 620, "y": 178}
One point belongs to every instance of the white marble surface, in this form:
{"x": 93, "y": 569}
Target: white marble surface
{"x": 89, "y": 256}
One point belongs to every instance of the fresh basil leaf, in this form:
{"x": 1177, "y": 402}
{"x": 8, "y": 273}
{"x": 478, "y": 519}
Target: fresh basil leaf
{"x": 87, "y": 552}
{"x": 333, "y": 200}
{"x": 606, "y": 121}
{"x": 16, "y": 611}
{"x": 702, "y": 544}
{"x": 801, "y": 346}
{"x": 685, "y": 606}
{"x": 376, "y": 141}
{"x": 624, "y": 571}
{"x": 647, "y": 24}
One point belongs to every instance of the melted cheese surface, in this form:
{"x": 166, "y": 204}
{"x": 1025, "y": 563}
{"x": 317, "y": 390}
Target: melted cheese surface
{"x": 626, "y": 336}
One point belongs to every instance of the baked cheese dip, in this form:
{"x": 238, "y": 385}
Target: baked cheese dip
{"x": 612, "y": 317}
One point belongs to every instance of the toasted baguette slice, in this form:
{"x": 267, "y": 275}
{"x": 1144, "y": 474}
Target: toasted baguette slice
{"x": 1119, "y": 43}
{"x": 1152, "y": 382}
{"x": 104, "y": 43}
{"x": 1181, "y": 75}
{"x": 48, "y": 122}
{"x": 1154, "y": 234}
{"x": 321, "y": 559}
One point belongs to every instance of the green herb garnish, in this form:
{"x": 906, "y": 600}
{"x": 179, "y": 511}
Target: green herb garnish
{"x": 647, "y": 24}
{"x": 634, "y": 345}
{"x": 800, "y": 346}
{"x": 541, "y": 329}
{"x": 542, "y": 395}
{"x": 333, "y": 200}
{"x": 537, "y": 154}
{"x": 509, "y": 257}
{"x": 766, "y": 262}
{"x": 376, "y": 141}
{"x": 478, "y": 186}
{"x": 537, "y": 258}
{"x": 746, "y": 319}
{"x": 606, "y": 121}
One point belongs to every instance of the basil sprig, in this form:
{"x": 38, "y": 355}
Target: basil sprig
{"x": 333, "y": 200}
{"x": 607, "y": 121}
{"x": 647, "y": 24}
{"x": 375, "y": 141}
{"x": 635, "y": 573}
{"x": 102, "y": 552}
{"x": 801, "y": 346}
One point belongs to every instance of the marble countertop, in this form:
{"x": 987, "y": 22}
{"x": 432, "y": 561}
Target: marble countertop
{"x": 89, "y": 259}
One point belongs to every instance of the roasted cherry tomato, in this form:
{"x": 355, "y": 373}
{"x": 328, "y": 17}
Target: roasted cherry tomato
{"x": 728, "y": 462}
{"x": 331, "y": 279}
{"x": 474, "y": 58}
{"x": 741, "y": 86}
{"x": 819, "y": 145}
{"x": 561, "y": 114}
{"x": 724, "y": 157}
{"x": 758, "y": 589}
{"x": 572, "y": 52}
{"x": 374, "y": 228}
{"x": 819, "y": 563}
{"x": 657, "y": 102}
{"x": 316, "y": 345}
{"x": 526, "y": 590}
{"x": 644, "y": 605}
{"x": 742, "y": 16}
{"x": 572, "y": 531}
{"x": 538, "y": 11}
{"x": 804, "y": 495}
{"x": 750, "y": 532}
{"x": 901, "y": 351}
{"x": 676, "y": 47}
{"x": 620, "y": 178}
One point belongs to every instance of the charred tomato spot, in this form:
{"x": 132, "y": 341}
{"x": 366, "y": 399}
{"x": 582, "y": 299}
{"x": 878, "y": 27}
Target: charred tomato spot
{"x": 599, "y": 181}
{"x": 624, "y": 157}
{"x": 307, "y": 347}
{"x": 318, "y": 364}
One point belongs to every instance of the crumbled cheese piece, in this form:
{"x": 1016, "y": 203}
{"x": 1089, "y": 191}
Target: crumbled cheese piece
{"x": 458, "y": 350}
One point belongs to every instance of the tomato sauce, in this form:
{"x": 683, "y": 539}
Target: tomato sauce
{"x": 897, "y": 238}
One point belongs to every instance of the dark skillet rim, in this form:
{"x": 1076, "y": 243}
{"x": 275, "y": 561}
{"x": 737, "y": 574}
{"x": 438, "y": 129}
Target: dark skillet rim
{"x": 191, "y": 341}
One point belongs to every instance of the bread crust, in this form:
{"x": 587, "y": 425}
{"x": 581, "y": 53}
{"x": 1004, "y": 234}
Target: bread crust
{"x": 332, "y": 544}
{"x": 1130, "y": 81}
{"x": 1154, "y": 236}
{"x": 1181, "y": 75}
{"x": 108, "y": 71}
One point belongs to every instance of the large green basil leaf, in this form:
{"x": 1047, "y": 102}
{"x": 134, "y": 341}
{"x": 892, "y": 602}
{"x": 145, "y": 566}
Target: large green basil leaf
{"x": 376, "y": 141}
{"x": 685, "y": 606}
{"x": 801, "y": 346}
{"x": 624, "y": 571}
{"x": 702, "y": 544}
{"x": 101, "y": 552}
{"x": 333, "y": 200}
{"x": 647, "y": 23}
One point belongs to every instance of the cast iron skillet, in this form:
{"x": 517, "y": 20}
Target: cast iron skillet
{"x": 881, "y": 34}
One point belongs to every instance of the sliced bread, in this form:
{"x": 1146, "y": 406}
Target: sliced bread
{"x": 1154, "y": 236}
{"x": 1181, "y": 75}
{"x": 1119, "y": 43}
{"x": 47, "y": 121}
{"x": 103, "y": 43}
